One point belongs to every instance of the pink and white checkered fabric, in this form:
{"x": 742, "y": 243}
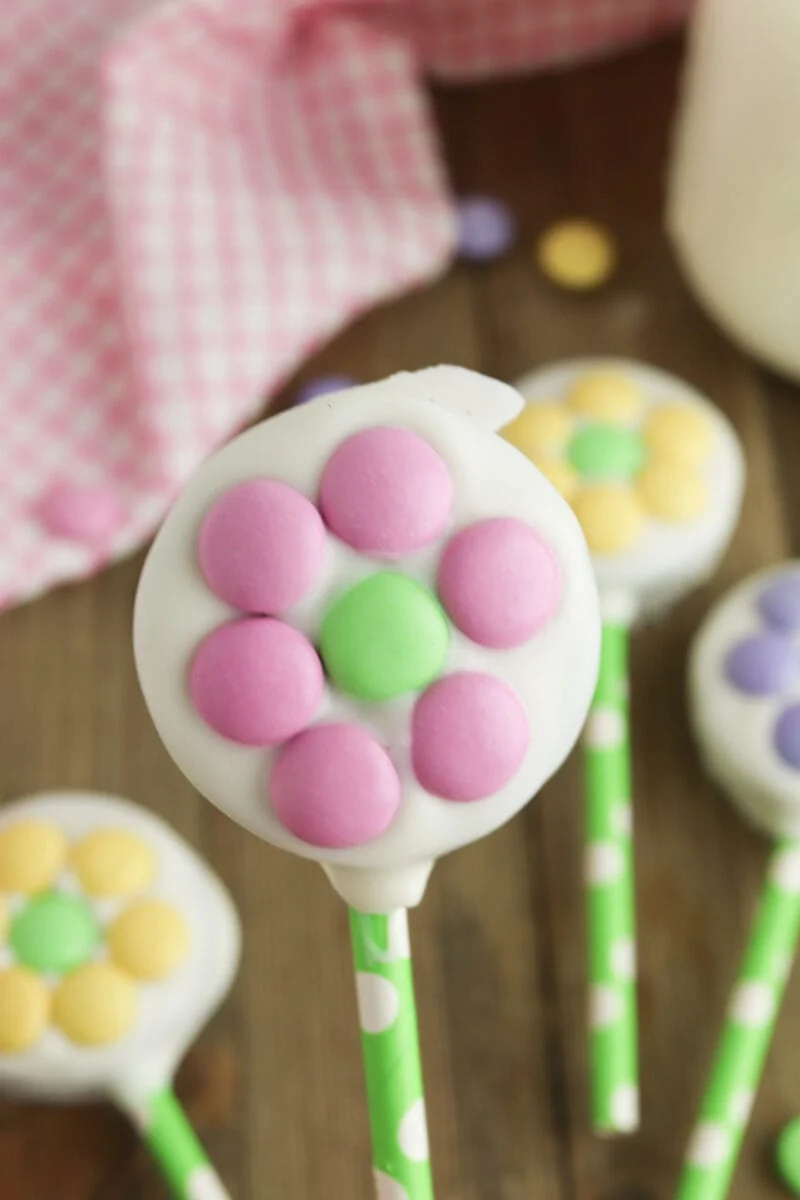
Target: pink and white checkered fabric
{"x": 193, "y": 196}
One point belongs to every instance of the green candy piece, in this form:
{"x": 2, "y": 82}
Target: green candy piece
{"x": 787, "y": 1154}
{"x": 54, "y": 932}
{"x": 385, "y": 637}
{"x": 607, "y": 452}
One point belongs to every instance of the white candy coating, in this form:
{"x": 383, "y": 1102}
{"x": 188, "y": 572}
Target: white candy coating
{"x": 735, "y": 731}
{"x": 671, "y": 559}
{"x": 171, "y": 1012}
{"x": 553, "y": 675}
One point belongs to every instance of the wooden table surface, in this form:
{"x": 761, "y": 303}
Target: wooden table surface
{"x": 275, "y": 1082}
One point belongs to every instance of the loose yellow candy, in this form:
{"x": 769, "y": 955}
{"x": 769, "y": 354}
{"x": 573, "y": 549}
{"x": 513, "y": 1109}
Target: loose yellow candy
{"x": 577, "y": 254}
{"x": 672, "y": 493}
{"x": 680, "y": 433}
{"x": 24, "y": 1009}
{"x": 606, "y": 396}
{"x": 611, "y": 517}
{"x": 95, "y": 1005}
{"x": 113, "y": 862}
{"x": 31, "y": 855}
{"x": 539, "y": 427}
{"x": 149, "y": 940}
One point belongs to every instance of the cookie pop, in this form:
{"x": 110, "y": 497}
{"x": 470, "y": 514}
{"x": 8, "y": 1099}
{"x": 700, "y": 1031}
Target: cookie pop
{"x": 744, "y": 697}
{"x": 117, "y": 945}
{"x": 369, "y": 632}
{"x": 655, "y": 476}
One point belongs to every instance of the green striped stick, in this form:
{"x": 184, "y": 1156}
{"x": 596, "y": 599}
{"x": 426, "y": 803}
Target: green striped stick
{"x": 744, "y": 1044}
{"x": 610, "y": 894}
{"x": 392, "y": 1064}
{"x": 175, "y": 1147}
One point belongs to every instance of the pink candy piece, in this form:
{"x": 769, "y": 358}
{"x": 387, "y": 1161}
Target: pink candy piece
{"x": 262, "y": 546}
{"x": 500, "y": 582}
{"x": 335, "y": 786}
{"x": 469, "y": 736}
{"x": 256, "y": 681}
{"x": 386, "y": 492}
{"x": 77, "y": 512}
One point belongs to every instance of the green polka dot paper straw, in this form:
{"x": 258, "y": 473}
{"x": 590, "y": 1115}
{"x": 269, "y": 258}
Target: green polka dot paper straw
{"x": 610, "y": 894}
{"x": 176, "y": 1148}
{"x": 392, "y": 1064}
{"x": 746, "y": 1036}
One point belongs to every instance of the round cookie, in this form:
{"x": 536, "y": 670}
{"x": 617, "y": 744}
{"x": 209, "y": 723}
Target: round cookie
{"x": 119, "y": 942}
{"x": 744, "y": 697}
{"x": 654, "y": 472}
{"x": 454, "y": 585}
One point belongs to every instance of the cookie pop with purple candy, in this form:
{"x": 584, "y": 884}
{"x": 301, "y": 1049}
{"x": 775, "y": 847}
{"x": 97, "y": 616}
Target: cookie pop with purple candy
{"x": 369, "y": 631}
{"x": 744, "y": 695}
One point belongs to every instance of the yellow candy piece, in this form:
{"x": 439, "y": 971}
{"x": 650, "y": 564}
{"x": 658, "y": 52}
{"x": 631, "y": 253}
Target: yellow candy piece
{"x": 606, "y": 396}
{"x": 680, "y": 433}
{"x": 113, "y": 862}
{"x": 611, "y": 517}
{"x": 95, "y": 1005}
{"x": 672, "y": 493}
{"x": 149, "y": 940}
{"x": 24, "y": 1009}
{"x": 577, "y": 254}
{"x": 539, "y": 427}
{"x": 563, "y": 477}
{"x": 31, "y": 855}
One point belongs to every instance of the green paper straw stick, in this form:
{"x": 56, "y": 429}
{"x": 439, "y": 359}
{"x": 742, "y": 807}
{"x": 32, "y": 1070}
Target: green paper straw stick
{"x": 392, "y": 1063}
{"x": 175, "y": 1147}
{"x": 610, "y": 894}
{"x": 746, "y": 1035}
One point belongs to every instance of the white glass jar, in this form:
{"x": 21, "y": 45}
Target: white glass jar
{"x": 733, "y": 210}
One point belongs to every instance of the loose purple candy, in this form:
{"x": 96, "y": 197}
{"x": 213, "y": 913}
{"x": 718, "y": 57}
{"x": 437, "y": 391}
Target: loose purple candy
{"x": 787, "y": 736}
{"x": 486, "y": 228}
{"x": 323, "y": 385}
{"x": 763, "y": 665}
{"x": 779, "y": 604}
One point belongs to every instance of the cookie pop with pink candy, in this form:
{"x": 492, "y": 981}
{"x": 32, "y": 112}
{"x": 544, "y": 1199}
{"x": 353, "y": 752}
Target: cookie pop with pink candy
{"x": 369, "y": 631}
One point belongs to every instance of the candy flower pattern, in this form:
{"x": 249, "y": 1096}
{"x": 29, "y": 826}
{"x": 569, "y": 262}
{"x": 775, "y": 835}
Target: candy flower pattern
{"x": 383, "y": 636}
{"x": 618, "y": 458}
{"x": 83, "y": 930}
{"x": 765, "y": 664}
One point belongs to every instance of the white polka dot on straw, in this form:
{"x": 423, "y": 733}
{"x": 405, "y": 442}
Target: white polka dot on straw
{"x": 752, "y": 1004}
{"x": 710, "y": 1146}
{"x": 623, "y": 958}
{"x": 625, "y": 1107}
{"x": 606, "y": 1006}
{"x": 605, "y": 729}
{"x": 387, "y": 1188}
{"x": 378, "y": 1002}
{"x": 785, "y": 872}
{"x": 605, "y": 863}
{"x": 413, "y": 1133}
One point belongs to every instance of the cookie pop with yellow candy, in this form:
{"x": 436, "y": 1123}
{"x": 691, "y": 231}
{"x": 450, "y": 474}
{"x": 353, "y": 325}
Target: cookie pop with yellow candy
{"x": 116, "y": 944}
{"x": 655, "y": 474}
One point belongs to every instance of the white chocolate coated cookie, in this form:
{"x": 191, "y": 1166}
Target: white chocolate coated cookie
{"x": 119, "y": 944}
{"x": 744, "y": 697}
{"x": 369, "y": 629}
{"x": 654, "y": 472}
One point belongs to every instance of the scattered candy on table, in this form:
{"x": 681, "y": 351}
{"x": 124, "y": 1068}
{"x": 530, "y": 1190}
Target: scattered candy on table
{"x": 577, "y": 255}
{"x": 787, "y": 1156}
{"x": 744, "y": 679}
{"x": 86, "y": 513}
{"x": 382, "y": 553}
{"x": 117, "y": 943}
{"x": 487, "y": 228}
{"x": 323, "y": 385}
{"x": 655, "y": 476}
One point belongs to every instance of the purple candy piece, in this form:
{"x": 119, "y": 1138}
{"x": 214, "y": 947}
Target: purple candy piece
{"x": 486, "y": 228}
{"x": 763, "y": 665}
{"x": 787, "y": 736}
{"x": 323, "y": 385}
{"x": 779, "y": 604}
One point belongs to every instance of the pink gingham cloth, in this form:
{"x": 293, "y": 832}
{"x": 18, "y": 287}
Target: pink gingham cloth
{"x": 194, "y": 195}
